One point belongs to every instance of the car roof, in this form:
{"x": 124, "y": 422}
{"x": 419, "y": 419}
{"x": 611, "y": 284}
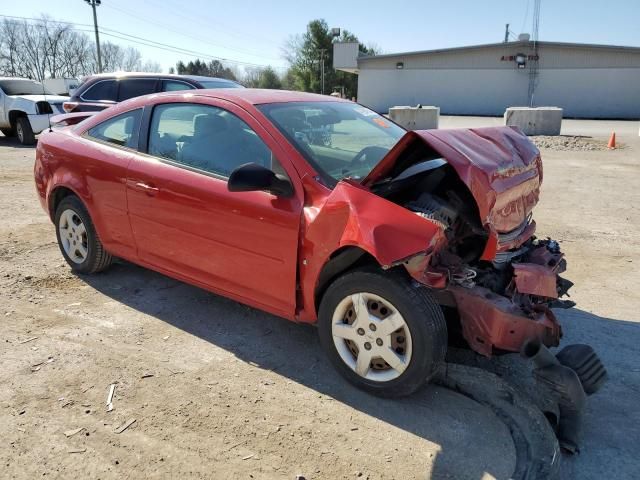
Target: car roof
{"x": 155, "y": 75}
{"x": 258, "y": 96}
{"x": 19, "y": 78}
{"x": 244, "y": 97}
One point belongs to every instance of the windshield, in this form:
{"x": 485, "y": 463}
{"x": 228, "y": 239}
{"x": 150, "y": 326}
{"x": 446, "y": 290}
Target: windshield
{"x": 219, "y": 84}
{"x": 339, "y": 139}
{"x": 23, "y": 87}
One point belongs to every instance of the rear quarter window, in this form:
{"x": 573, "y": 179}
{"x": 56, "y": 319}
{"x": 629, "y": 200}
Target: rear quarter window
{"x": 102, "y": 90}
{"x": 136, "y": 87}
{"x": 121, "y": 130}
{"x": 174, "y": 86}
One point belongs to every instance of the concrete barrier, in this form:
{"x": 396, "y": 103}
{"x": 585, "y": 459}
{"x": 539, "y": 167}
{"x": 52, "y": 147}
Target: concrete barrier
{"x": 415, "y": 118}
{"x": 535, "y": 121}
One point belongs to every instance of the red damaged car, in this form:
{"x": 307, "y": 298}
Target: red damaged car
{"x": 318, "y": 210}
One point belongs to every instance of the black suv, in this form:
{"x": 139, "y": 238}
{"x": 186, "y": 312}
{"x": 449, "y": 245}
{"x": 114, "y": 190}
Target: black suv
{"x": 101, "y": 91}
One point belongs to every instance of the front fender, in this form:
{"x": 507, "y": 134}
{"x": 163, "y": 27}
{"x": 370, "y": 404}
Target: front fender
{"x": 21, "y": 106}
{"x": 353, "y": 216}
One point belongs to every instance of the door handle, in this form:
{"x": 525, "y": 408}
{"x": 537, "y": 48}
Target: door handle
{"x": 144, "y": 187}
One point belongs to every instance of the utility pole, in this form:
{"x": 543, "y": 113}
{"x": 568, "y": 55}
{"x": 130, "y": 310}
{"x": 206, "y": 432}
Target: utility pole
{"x": 533, "y": 64}
{"x": 94, "y": 4}
{"x": 322, "y": 50}
{"x": 506, "y": 33}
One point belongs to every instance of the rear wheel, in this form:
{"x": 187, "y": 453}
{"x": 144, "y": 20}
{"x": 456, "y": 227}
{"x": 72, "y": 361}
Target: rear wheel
{"x": 382, "y": 332}
{"x": 78, "y": 239}
{"x": 24, "y": 132}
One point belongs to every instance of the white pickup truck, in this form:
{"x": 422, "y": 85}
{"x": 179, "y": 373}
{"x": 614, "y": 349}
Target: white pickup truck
{"x": 25, "y": 107}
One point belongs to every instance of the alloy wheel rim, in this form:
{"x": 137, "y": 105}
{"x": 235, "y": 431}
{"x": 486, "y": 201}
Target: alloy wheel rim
{"x": 371, "y": 337}
{"x": 73, "y": 236}
{"x": 19, "y": 132}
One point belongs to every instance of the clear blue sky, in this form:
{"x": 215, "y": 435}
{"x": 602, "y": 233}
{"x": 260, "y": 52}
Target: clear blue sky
{"x": 255, "y": 31}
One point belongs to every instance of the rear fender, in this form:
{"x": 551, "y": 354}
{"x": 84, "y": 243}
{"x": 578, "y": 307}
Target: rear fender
{"x": 63, "y": 178}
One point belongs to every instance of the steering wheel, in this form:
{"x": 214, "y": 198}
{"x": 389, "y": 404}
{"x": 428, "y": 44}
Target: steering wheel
{"x": 369, "y": 150}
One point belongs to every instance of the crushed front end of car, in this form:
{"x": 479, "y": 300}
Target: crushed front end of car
{"x": 480, "y": 187}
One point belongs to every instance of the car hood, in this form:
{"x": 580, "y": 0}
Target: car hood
{"x": 40, "y": 98}
{"x": 499, "y": 165}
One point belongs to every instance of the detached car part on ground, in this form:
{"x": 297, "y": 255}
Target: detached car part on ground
{"x": 396, "y": 243}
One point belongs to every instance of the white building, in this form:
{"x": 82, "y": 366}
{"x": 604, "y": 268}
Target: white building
{"x": 587, "y": 81}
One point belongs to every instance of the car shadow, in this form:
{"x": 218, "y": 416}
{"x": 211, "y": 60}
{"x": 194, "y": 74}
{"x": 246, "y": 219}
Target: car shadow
{"x": 12, "y": 142}
{"x": 292, "y": 350}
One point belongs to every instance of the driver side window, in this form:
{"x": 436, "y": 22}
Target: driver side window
{"x": 206, "y": 138}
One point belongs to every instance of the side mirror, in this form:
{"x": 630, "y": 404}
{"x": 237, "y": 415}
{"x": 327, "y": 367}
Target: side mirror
{"x": 252, "y": 177}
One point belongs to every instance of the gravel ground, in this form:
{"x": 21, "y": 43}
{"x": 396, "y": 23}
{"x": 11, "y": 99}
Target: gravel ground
{"x": 569, "y": 143}
{"x": 219, "y": 390}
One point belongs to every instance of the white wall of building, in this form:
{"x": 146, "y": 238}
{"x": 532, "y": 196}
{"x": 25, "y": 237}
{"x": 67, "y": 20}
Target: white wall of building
{"x": 456, "y": 92}
{"x": 591, "y": 93}
{"x": 585, "y": 81}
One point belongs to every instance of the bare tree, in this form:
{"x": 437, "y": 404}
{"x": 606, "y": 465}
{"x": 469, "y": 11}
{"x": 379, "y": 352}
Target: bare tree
{"x": 131, "y": 60}
{"x": 47, "y": 48}
{"x": 150, "y": 66}
{"x": 76, "y": 56}
{"x": 9, "y": 41}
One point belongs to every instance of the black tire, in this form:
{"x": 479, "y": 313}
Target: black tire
{"x": 8, "y": 132}
{"x": 583, "y": 360}
{"x": 97, "y": 258}
{"x": 24, "y": 132}
{"x": 422, "y": 315}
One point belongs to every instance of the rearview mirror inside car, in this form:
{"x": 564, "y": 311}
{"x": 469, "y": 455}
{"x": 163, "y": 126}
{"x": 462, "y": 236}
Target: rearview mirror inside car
{"x": 252, "y": 177}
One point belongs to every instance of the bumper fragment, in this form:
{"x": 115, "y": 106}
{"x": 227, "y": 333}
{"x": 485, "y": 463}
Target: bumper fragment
{"x": 490, "y": 321}
{"x": 535, "y": 279}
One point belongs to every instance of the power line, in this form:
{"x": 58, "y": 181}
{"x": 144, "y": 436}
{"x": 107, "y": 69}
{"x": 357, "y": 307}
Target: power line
{"x": 144, "y": 41}
{"x": 169, "y": 48}
{"x": 200, "y": 39}
{"x": 197, "y": 17}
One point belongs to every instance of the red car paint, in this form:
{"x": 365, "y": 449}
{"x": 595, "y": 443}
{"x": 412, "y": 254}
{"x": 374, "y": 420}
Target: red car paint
{"x": 269, "y": 252}
{"x": 491, "y": 322}
{"x": 501, "y": 167}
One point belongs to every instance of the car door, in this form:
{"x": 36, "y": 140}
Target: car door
{"x": 186, "y": 222}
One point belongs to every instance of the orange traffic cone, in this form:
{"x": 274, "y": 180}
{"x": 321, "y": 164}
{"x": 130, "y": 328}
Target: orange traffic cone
{"x": 612, "y": 141}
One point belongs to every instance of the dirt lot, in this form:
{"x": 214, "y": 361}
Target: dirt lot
{"x": 219, "y": 390}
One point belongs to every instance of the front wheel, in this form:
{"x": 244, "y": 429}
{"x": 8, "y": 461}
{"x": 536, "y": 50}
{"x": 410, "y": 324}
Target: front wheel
{"x": 383, "y": 333}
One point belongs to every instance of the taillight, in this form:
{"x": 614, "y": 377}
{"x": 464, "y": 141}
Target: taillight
{"x": 69, "y": 106}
